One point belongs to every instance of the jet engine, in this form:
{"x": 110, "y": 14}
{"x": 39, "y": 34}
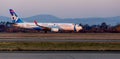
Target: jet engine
{"x": 54, "y": 29}
{"x": 77, "y": 28}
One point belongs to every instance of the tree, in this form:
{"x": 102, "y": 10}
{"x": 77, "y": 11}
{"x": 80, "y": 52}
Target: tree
{"x": 117, "y": 27}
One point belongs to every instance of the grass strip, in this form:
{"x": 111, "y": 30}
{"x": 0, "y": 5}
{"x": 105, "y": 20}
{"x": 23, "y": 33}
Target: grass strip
{"x": 38, "y": 46}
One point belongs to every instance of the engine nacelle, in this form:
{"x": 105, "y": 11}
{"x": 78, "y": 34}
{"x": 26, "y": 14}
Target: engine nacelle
{"x": 77, "y": 28}
{"x": 54, "y": 29}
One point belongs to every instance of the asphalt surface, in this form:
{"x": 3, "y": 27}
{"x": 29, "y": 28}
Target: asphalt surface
{"x": 57, "y": 40}
{"x": 59, "y": 55}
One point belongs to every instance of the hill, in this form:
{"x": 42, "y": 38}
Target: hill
{"x": 3, "y": 18}
{"x": 51, "y": 18}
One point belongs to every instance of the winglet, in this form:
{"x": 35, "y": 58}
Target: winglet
{"x": 36, "y": 23}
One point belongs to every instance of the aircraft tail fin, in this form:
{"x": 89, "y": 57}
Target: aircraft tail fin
{"x": 14, "y": 16}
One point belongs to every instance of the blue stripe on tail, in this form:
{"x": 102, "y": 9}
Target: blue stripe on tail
{"x": 19, "y": 21}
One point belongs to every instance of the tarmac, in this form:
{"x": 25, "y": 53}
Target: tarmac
{"x": 60, "y": 37}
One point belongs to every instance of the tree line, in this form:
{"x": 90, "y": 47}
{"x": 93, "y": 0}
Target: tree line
{"x": 100, "y": 28}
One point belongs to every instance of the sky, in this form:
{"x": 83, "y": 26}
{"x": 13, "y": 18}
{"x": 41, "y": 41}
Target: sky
{"x": 62, "y": 8}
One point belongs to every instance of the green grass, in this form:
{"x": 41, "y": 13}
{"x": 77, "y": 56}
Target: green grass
{"x": 36, "y": 46}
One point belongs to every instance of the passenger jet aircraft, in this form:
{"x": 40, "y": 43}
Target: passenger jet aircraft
{"x": 54, "y": 27}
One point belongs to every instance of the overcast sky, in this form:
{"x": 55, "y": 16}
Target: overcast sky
{"x": 62, "y": 8}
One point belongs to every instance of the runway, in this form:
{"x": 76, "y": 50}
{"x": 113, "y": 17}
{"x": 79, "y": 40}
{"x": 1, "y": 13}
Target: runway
{"x": 59, "y": 40}
{"x": 59, "y": 55}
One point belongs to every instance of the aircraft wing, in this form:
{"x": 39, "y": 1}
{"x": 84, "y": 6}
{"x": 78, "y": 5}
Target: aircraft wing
{"x": 46, "y": 28}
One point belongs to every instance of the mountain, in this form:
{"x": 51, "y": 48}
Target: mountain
{"x": 3, "y": 18}
{"x": 51, "y": 18}
{"x": 42, "y": 18}
{"x": 90, "y": 21}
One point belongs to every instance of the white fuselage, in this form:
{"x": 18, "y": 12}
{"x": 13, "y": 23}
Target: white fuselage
{"x": 60, "y": 26}
{"x": 55, "y": 27}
